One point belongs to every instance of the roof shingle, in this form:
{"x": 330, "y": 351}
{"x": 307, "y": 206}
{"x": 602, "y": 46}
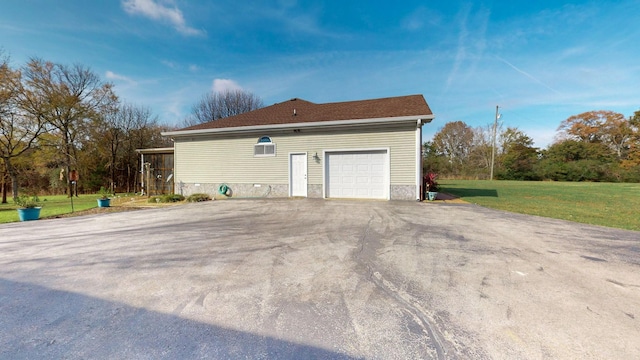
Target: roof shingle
{"x": 301, "y": 111}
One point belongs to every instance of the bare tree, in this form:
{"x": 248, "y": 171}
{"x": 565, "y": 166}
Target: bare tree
{"x": 117, "y": 123}
{"x": 454, "y": 141}
{"x": 482, "y": 145}
{"x": 112, "y": 146}
{"x": 141, "y": 132}
{"x": 144, "y": 133}
{"x": 68, "y": 99}
{"x": 217, "y": 105}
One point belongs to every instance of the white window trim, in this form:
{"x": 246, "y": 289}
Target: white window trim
{"x": 264, "y": 144}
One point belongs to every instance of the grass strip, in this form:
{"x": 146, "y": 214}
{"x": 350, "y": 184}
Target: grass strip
{"x": 607, "y": 204}
{"x": 52, "y": 205}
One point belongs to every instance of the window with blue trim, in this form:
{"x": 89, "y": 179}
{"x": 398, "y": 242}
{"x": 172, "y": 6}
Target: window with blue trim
{"x": 264, "y": 147}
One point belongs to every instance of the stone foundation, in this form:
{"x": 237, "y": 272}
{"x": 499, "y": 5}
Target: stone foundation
{"x": 403, "y": 192}
{"x": 235, "y": 190}
{"x": 398, "y": 192}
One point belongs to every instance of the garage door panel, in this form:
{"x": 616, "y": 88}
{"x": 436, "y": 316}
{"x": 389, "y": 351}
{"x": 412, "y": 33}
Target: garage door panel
{"x": 362, "y": 193}
{"x": 358, "y": 174}
{"x": 379, "y": 194}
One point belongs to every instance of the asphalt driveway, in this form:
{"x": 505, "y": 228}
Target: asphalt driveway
{"x": 315, "y": 279}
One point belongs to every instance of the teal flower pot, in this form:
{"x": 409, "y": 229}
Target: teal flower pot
{"x": 29, "y": 214}
{"x": 432, "y": 195}
{"x": 104, "y": 202}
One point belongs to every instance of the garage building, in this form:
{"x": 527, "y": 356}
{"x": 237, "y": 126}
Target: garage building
{"x": 367, "y": 149}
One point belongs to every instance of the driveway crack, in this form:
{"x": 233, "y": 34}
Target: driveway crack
{"x": 405, "y": 300}
{"x": 366, "y": 255}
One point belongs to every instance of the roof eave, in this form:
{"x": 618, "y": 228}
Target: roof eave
{"x": 155, "y": 150}
{"x": 317, "y": 124}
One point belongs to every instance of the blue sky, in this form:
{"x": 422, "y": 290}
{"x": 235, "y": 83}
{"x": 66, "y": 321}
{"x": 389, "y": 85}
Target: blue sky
{"x": 540, "y": 61}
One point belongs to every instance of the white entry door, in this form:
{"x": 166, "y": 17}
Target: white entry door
{"x": 298, "y": 174}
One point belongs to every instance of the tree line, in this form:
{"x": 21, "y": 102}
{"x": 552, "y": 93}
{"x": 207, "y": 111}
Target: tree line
{"x": 591, "y": 146}
{"x": 57, "y": 118}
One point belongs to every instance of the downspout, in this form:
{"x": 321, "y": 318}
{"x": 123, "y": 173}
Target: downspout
{"x": 419, "y": 160}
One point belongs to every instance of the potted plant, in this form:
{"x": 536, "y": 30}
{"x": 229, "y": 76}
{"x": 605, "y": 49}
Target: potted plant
{"x": 431, "y": 186}
{"x": 28, "y": 207}
{"x": 104, "y": 200}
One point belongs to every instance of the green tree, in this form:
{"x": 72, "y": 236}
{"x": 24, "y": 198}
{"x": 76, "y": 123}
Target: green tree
{"x": 431, "y": 161}
{"x": 613, "y": 130}
{"x": 18, "y": 131}
{"x": 68, "y": 99}
{"x": 573, "y": 160}
{"x": 518, "y": 158}
{"x": 632, "y": 159}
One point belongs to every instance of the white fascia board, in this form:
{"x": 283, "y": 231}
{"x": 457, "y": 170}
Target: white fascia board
{"x": 155, "y": 150}
{"x": 317, "y": 124}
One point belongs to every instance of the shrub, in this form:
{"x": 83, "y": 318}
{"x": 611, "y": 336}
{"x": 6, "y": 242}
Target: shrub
{"x": 27, "y": 202}
{"x": 168, "y": 198}
{"x": 104, "y": 193}
{"x": 198, "y": 197}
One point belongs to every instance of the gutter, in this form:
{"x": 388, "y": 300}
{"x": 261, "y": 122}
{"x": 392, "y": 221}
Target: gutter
{"x": 422, "y": 119}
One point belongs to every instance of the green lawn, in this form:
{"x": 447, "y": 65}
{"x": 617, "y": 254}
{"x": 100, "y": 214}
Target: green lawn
{"x": 51, "y": 206}
{"x": 608, "y": 204}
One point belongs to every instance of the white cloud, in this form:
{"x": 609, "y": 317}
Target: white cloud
{"x": 222, "y": 85}
{"x": 420, "y": 18}
{"x": 461, "y": 51}
{"x": 113, "y": 76}
{"x": 169, "y": 64}
{"x": 162, "y": 12}
{"x": 535, "y": 79}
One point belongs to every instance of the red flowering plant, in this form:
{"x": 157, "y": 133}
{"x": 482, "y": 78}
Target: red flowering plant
{"x": 430, "y": 183}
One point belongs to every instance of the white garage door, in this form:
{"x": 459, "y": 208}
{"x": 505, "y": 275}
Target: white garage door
{"x": 357, "y": 174}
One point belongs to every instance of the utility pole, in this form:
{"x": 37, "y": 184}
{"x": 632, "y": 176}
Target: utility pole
{"x": 493, "y": 147}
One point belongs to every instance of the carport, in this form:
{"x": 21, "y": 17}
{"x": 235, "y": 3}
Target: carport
{"x": 156, "y": 171}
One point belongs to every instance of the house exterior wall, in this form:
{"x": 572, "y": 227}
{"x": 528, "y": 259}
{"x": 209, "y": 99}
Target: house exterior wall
{"x": 204, "y": 162}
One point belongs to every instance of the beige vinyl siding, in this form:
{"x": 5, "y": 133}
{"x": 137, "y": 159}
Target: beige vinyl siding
{"x": 230, "y": 158}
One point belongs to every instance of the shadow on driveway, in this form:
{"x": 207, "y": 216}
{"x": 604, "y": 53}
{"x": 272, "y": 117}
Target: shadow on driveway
{"x": 41, "y": 323}
{"x": 467, "y": 192}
